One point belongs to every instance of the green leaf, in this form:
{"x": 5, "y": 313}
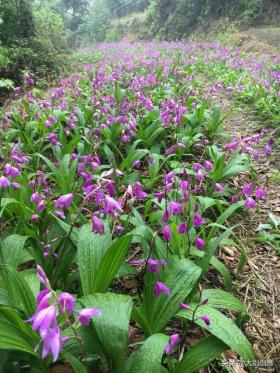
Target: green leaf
{"x": 12, "y": 338}
{"x": 201, "y": 354}
{"x": 111, "y": 263}
{"x": 221, "y": 299}
{"x": 74, "y": 361}
{"x": 223, "y": 328}
{"x": 91, "y": 249}
{"x": 5, "y": 300}
{"x": 211, "y": 248}
{"x": 218, "y": 265}
{"x": 11, "y": 249}
{"x": 224, "y": 216}
{"x": 18, "y": 289}
{"x": 112, "y": 327}
{"x": 180, "y": 277}
{"x": 74, "y": 236}
{"x": 148, "y": 358}
{"x": 126, "y": 269}
{"x": 31, "y": 278}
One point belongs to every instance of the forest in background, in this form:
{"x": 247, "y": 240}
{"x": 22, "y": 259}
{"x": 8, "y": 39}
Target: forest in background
{"x": 38, "y": 36}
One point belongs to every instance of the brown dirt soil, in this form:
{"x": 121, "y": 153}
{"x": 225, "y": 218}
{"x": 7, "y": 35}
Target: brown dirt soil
{"x": 258, "y": 285}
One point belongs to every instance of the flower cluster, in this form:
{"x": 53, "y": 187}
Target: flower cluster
{"x": 49, "y": 307}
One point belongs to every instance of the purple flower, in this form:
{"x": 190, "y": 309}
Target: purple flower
{"x": 173, "y": 341}
{"x": 267, "y": 149}
{"x": 256, "y": 155}
{"x": 17, "y": 90}
{"x": 11, "y": 171}
{"x": 165, "y": 216}
{"x": 60, "y": 214}
{"x": 42, "y": 276}
{"x": 219, "y": 187}
{"x": 182, "y": 228}
{"x": 41, "y": 205}
{"x": 196, "y": 167}
{"x": 43, "y": 297}
{"x": 198, "y": 221}
{"x": 97, "y": 225}
{"x": 176, "y": 208}
{"x": 184, "y": 185}
{"x": 153, "y": 265}
{"x": 52, "y": 343}
{"x": 168, "y": 187}
{"x": 260, "y": 194}
{"x": 35, "y": 198}
{"x": 205, "y": 319}
{"x": 6, "y": 120}
{"x": 139, "y": 194}
{"x": 249, "y": 203}
{"x": 15, "y": 185}
{"x": 184, "y": 306}
{"x": 200, "y": 243}
{"x": 86, "y": 314}
{"x": 161, "y": 288}
{"x": 4, "y": 182}
{"x": 136, "y": 164}
{"x": 66, "y": 302}
{"x": 168, "y": 178}
{"x": 247, "y": 190}
{"x": 248, "y": 149}
{"x": 159, "y": 196}
{"x": 110, "y": 205}
{"x": 135, "y": 262}
{"x": 234, "y": 199}
{"x": 200, "y": 176}
{"x": 111, "y": 188}
{"x": 208, "y": 165}
{"x": 47, "y": 104}
{"x": 43, "y": 319}
{"x": 64, "y": 202}
{"x": 167, "y": 232}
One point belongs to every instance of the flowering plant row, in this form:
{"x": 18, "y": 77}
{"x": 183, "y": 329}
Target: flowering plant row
{"x": 123, "y": 174}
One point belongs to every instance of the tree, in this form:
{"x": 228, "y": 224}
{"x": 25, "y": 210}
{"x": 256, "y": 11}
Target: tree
{"x": 16, "y": 20}
{"x": 74, "y": 11}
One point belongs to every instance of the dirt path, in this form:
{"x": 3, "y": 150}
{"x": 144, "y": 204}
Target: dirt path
{"x": 259, "y": 284}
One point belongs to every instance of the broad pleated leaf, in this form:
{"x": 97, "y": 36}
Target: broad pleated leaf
{"x": 11, "y": 249}
{"x": 91, "y": 249}
{"x": 223, "y": 300}
{"x": 12, "y": 338}
{"x": 112, "y": 327}
{"x": 75, "y": 362}
{"x": 223, "y": 328}
{"x": 148, "y": 358}
{"x": 180, "y": 276}
{"x": 201, "y": 354}
{"x": 18, "y": 290}
{"x": 110, "y": 264}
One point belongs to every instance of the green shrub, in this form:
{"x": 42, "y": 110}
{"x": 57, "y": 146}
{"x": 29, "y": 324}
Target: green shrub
{"x": 114, "y": 34}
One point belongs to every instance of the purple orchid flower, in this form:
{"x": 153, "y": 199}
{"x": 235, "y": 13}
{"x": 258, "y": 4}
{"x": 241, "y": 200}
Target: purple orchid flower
{"x": 63, "y": 202}
{"x": 66, "y": 302}
{"x": 86, "y": 314}
{"x": 161, "y": 288}
{"x": 153, "y": 265}
{"x": 97, "y": 225}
